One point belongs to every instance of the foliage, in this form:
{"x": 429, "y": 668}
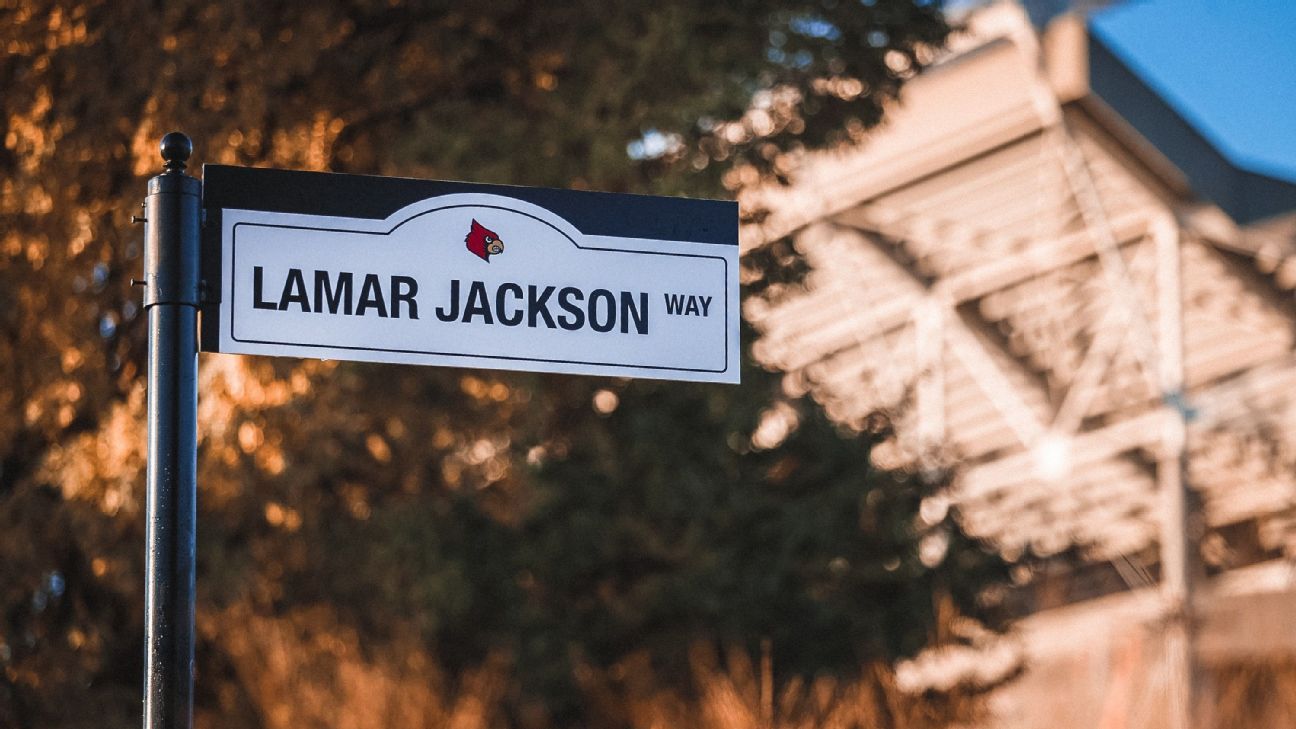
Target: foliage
{"x": 666, "y": 524}
{"x": 365, "y": 526}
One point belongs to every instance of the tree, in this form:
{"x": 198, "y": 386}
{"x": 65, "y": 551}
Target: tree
{"x": 404, "y": 521}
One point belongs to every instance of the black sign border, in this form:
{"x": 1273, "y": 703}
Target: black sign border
{"x": 613, "y": 214}
{"x": 263, "y": 189}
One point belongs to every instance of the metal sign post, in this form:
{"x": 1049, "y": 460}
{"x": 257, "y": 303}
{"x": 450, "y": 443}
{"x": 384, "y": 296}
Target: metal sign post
{"x": 171, "y": 296}
{"x": 403, "y": 271}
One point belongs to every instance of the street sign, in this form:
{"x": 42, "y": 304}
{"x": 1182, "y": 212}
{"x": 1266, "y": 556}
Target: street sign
{"x": 384, "y": 269}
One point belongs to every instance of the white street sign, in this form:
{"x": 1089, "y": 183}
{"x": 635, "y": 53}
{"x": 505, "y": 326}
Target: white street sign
{"x": 477, "y": 280}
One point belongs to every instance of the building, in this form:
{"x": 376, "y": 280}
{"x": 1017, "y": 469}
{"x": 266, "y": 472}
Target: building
{"x": 1081, "y": 314}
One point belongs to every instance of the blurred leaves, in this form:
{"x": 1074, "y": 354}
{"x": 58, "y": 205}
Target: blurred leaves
{"x": 418, "y": 544}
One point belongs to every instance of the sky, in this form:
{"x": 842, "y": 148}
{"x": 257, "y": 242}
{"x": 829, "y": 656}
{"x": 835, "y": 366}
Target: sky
{"x": 1228, "y": 66}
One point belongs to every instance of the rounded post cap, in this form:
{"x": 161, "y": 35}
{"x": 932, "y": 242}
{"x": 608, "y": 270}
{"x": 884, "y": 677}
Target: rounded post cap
{"x": 176, "y": 148}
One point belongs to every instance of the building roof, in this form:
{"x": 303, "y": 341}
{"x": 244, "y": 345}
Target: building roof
{"x": 1035, "y": 292}
{"x": 1245, "y": 194}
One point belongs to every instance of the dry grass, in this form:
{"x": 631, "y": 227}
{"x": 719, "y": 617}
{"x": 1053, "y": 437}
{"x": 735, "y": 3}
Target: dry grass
{"x": 739, "y": 693}
{"x": 1254, "y": 695}
{"x": 308, "y": 670}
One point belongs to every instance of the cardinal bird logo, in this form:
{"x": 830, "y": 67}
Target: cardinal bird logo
{"x": 483, "y": 242}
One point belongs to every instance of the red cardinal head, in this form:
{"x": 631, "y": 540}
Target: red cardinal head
{"x": 483, "y": 242}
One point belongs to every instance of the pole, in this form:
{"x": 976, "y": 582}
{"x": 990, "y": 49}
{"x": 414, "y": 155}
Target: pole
{"x": 1178, "y": 543}
{"x": 171, "y": 298}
